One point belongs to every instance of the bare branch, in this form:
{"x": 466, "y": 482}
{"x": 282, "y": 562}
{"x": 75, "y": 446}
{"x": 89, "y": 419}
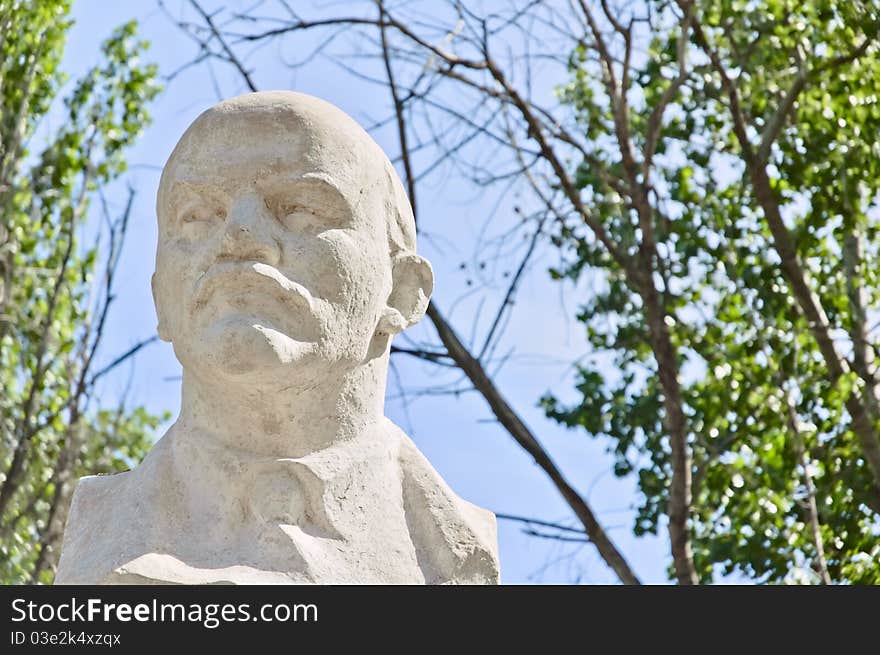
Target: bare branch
{"x": 128, "y": 354}
{"x": 544, "y": 524}
{"x": 655, "y": 121}
{"x": 235, "y": 61}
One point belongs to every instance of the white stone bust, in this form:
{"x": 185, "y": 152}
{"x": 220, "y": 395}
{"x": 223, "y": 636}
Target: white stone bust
{"x": 285, "y": 265}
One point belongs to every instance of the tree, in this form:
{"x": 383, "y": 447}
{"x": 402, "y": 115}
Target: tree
{"x": 762, "y": 269}
{"x": 52, "y": 311}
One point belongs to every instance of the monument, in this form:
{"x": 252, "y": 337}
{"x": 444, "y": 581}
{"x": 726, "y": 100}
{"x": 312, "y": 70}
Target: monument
{"x": 285, "y": 265}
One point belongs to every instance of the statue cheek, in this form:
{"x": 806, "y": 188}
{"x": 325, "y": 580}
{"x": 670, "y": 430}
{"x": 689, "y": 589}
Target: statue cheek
{"x": 346, "y": 267}
{"x": 174, "y": 280}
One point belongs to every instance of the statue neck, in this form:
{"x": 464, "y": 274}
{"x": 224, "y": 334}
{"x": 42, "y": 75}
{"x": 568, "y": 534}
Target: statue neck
{"x": 284, "y": 421}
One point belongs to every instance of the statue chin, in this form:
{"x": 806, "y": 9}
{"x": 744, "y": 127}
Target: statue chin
{"x": 246, "y": 348}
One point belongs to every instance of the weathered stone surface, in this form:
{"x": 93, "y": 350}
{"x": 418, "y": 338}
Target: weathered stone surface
{"x": 286, "y": 263}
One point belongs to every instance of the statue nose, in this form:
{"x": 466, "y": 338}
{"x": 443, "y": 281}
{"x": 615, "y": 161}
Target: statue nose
{"x": 248, "y": 234}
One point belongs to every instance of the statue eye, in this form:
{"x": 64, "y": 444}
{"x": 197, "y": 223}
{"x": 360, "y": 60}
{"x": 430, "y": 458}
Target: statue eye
{"x": 202, "y": 213}
{"x": 284, "y": 208}
{"x": 309, "y": 205}
{"x": 289, "y": 213}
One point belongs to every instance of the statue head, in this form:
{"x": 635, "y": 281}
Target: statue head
{"x": 286, "y": 244}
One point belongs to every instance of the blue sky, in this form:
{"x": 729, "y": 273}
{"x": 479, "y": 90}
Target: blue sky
{"x": 477, "y": 458}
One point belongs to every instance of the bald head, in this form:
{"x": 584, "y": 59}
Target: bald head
{"x": 285, "y": 126}
{"x": 286, "y": 243}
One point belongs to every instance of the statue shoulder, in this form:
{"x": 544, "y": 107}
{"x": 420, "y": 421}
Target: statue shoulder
{"x": 105, "y": 521}
{"x": 90, "y": 522}
{"x": 456, "y": 542}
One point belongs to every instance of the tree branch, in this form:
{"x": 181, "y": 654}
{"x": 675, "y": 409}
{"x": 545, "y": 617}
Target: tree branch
{"x": 235, "y": 61}
{"x": 863, "y": 408}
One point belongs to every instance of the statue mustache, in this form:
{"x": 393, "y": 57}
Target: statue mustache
{"x": 263, "y": 276}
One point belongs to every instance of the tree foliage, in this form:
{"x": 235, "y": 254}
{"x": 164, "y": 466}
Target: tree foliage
{"x": 765, "y": 205}
{"x": 52, "y": 307}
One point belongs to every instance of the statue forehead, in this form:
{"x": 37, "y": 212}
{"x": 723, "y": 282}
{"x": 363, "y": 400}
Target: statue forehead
{"x": 259, "y": 133}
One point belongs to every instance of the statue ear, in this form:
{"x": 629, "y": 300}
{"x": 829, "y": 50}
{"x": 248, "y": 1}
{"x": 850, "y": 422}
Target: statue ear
{"x": 161, "y": 328}
{"x": 412, "y": 283}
